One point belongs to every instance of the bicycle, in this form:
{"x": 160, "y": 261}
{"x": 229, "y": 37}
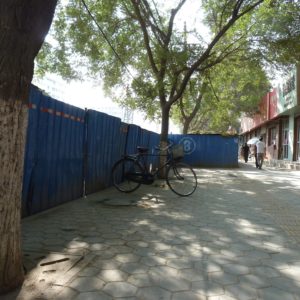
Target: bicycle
{"x": 131, "y": 171}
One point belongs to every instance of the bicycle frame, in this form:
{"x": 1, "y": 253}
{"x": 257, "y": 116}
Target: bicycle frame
{"x": 140, "y": 158}
{"x": 136, "y": 170}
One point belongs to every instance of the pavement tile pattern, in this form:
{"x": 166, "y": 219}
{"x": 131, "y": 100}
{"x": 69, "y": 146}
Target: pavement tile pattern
{"x": 237, "y": 237}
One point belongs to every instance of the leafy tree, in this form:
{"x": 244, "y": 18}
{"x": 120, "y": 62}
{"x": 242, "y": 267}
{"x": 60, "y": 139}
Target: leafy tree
{"x": 23, "y": 27}
{"x": 272, "y": 32}
{"x": 231, "y": 88}
{"x": 277, "y": 37}
{"x": 273, "y": 43}
{"x": 147, "y": 53}
{"x": 189, "y": 104}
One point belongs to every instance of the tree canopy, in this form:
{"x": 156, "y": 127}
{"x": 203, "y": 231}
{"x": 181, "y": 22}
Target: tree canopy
{"x": 146, "y": 61}
{"x": 234, "y": 87}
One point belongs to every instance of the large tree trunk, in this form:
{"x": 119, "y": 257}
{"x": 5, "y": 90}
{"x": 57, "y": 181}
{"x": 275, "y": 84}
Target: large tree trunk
{"x": 13, "y": 121}
{"x": 23, "y": 27}
{"x": 165, "y": 114}
{"x": 186, "y": 125}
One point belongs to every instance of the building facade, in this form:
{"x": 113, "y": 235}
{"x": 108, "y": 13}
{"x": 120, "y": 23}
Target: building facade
{"x": 278, "y": 121}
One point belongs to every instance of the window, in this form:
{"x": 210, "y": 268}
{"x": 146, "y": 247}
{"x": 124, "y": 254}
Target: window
{"x": 272, "y": 136}
{"x": 298, "y": 139}
{"x": 285, "y": 139}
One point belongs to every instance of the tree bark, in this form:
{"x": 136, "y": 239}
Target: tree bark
{"x": 13, "y": 123}
{"x": 187, "y": 119}
{"x": 23, "y": 27}
{"x": 165, "y": 109}
{"x": 186, "y": 125}
{"x": 165, "y": 113}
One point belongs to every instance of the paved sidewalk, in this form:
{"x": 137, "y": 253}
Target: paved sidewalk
{"x": 237, "y": 237}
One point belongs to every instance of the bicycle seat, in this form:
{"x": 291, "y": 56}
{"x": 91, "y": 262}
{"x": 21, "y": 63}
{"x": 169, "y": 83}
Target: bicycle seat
{"x": 142, "y": 149}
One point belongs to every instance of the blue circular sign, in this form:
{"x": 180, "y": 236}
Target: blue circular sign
{"x": 189, "y": 145}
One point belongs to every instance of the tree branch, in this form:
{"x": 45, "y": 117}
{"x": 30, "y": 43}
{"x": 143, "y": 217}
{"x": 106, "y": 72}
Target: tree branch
{"x": 235, "y": 16}
{"x": 137, "y": 10}
{"x": 213, "y": 89}
{"x": 159, "y": 34}
{"x": 222, "y": 14}
{"x": 174, "y": 11}
{"x": 167, "y": 42}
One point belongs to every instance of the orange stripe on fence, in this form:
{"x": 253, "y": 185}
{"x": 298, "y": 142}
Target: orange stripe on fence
{"x": 31, "y": 105}
{"x": 56, "y": 113}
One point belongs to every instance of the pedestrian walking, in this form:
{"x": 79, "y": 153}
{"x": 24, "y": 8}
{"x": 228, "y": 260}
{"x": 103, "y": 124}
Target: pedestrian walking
{"x": 260, "y": 152}
{"x": 245, "y": 151}
{"x": 254, "y": 153}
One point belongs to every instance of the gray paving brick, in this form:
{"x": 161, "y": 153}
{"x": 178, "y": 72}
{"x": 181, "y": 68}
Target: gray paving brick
{"x": 162, "y": 271}
{"x": 292, "y": 272}
{"x": 77, "y": 244}
{"x": 67, "y": 293}
{"x": 286, "y": 284}
{"x": 87, "y": 284}
{"x": 89, "y": 271}
{"x": 188, "y": 296}
{"x": 236, "y": 269}
{"x": 97, "y": 246}
{"x": 241, "y": 291}
{"x": 248, "y": 261}
{"x": 92, "y": 296}
{"x": 153, "y": 293}
{"x": 120, "y": 289}
{"x": 265, "y": 272}
{"x": 126, "y": 258}
{"x": 140, "y": 280}
{"x": 172, "y": 284}
{"x": 105, "y": 254}
{"x": 207, "y": 266}
{"x": 152, "y": 261}
{"x": 223, "y": 278}
{"x": 179, "y": 263}
{"x": 273, "y": 293}
{"x": 105, "y": 264}
{"x": 254, "y": 281}
{"x": 112, "y": 275}
{"x": 134, "y": 268}
{"x": 192, "y": 275}
{"x": 207, "y": 288}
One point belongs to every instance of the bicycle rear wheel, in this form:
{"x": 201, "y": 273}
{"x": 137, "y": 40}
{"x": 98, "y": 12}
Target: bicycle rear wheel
{"x": 181, "y": 179}
{"x": 122, "y": 175}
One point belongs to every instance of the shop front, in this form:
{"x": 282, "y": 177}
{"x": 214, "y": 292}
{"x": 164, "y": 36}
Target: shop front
{"x": 278, "y": 121}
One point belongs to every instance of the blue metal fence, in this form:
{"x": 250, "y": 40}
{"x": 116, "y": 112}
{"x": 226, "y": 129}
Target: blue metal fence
{"x": 106, "y": 140}
{"x": 133, "y": 138}
{"x": 209, "y": 150}
{"x": 68, "y": 149}
{"x": 53, "y": 167}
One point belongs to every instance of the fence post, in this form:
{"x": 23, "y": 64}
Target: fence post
{"x": 85, "y": 152}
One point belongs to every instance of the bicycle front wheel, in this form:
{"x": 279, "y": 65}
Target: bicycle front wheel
{"x": 123, "y": 173}
{"x": 181, "y": 179}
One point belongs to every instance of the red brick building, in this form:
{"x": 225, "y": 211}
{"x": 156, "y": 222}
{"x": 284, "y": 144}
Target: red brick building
{"x": 278, "y": 121}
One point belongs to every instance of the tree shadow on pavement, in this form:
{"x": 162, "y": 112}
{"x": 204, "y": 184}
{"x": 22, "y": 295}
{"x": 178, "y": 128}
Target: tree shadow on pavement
{"x": 226, "y": 240}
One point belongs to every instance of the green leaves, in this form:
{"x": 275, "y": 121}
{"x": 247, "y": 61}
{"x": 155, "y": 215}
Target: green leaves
{"x": 147, "y": 62}
{"x": 231, "y": 88}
